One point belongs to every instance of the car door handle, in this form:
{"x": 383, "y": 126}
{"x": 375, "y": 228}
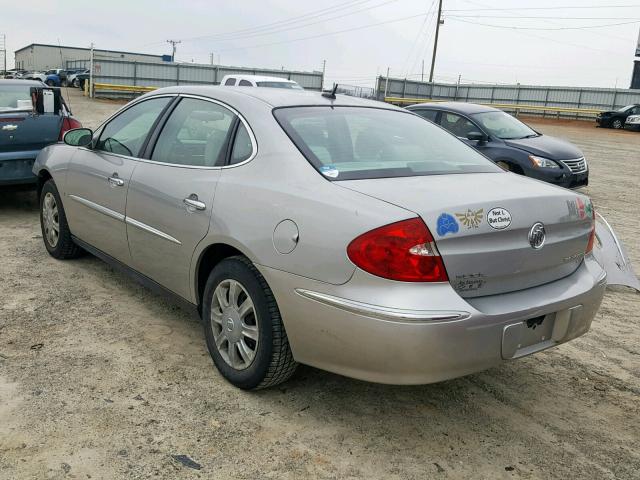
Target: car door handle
{"x": 115, "y": 181}
{"x": 192, "y": 202}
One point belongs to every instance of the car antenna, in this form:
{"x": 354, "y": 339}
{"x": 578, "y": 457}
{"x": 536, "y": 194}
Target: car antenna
{"x": 332, "y": 93}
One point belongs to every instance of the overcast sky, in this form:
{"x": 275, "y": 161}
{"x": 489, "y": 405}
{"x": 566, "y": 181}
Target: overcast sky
{"x": 375, "y": 34}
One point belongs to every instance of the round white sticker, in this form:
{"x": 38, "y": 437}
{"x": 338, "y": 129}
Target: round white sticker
{"x": 499, "y": 218}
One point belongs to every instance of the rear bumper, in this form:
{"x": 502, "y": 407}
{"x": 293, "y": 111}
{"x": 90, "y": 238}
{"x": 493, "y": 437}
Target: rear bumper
{"x": 16, "y": 167}
{"x": 398, "y": 333}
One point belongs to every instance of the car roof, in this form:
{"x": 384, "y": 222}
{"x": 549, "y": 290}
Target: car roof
{"x": 275, "y": 97}
{"x": 457, "y": 107}
{"x": 28, "y": 83}
{"x": 259, "y": 78}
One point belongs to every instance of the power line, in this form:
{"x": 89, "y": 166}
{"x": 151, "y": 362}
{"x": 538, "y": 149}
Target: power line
{"x": 296, "y": 27}
{"x": 541, "y": 18}
{"x": 282, "y": 23}
{"x": 370, "y": 25}
{"x": 571, "y": 7}
{"x": 418, "y": 35}
{"x": 584, "y": 27}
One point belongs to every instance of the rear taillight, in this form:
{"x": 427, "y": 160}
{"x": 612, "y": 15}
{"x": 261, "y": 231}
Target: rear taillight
{"x": 68, "y": 123}
{"x": 403, "y": 251}
{"x": 592, "y": 234}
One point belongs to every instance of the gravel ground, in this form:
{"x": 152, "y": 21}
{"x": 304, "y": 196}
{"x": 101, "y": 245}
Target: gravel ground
{"x": 99, "y": 378}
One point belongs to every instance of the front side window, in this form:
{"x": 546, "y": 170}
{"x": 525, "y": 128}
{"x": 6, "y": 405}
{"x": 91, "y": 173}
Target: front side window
{"x": 126, "y": 133}
{"x": 347, "y": 143}
{"x": 197, "y": 133}
{"x": 502, "y": 125}
{"x": 245, "y": 83}
{"x": 457, "y": 124}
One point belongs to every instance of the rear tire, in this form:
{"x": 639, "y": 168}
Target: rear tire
{"x": 76, "y": 83}
{"x": 53, "y": 223}
{"x": 243, "y": 328}
{"x": 51, "y": 83}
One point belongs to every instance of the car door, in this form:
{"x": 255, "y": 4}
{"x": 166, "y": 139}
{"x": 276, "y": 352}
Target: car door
{"x": 170, "y": 199}
{"x": 98, "y": 178}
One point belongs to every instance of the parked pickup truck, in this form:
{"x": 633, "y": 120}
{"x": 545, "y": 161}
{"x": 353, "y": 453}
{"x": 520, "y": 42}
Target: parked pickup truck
{"x": 32, "y": 116}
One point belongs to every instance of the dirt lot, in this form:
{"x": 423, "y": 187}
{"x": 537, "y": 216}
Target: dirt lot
{"x": 99, "y": 378}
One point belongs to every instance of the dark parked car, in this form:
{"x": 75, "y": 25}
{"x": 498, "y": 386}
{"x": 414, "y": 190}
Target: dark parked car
{"x": 510, "y": 143}
{"x": 616, "y": 118}
{"x": 32, "y": 116}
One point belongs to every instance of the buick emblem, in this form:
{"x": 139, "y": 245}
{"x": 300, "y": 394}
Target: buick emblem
{"x": 537, "y": 236}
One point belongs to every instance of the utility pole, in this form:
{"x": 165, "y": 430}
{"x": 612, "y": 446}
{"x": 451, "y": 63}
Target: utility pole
{"x": 91, "y": 73}
{"x": 435, "y": 42}
{"x": 211, "y": 58}
{"x": 3, "y": 49}
{"x": 422, "y": 72}
{"x": 324, "y": 67}
{"x": 386, "y": 85}
{"x": 173, "y": 48}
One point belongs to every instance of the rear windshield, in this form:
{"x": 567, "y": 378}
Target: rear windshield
{"x": 14, "y": 98}
{"x": 294, "y": 86}
{"x": 351, "y": 143}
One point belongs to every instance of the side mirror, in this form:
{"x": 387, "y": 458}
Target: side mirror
{"x": 78, "y": 137}
{"x": 477, "y": 136}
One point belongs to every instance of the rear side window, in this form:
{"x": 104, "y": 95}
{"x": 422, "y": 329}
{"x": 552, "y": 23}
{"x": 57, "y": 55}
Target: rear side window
{"x": 245, "y": 83}
{"x": 346, "y": 143}
{"x": 126, "y": 133}
{"x": 457, "y": 124}
{"x": 230, "y": 81}
{"x": 197, "y": 134}
{"x": 428, "y": 114}
{"x": 242, "y": 146}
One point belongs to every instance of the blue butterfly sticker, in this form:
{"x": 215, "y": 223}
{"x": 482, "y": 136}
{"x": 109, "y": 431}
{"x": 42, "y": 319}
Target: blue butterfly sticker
{"x": 447, "y": 224}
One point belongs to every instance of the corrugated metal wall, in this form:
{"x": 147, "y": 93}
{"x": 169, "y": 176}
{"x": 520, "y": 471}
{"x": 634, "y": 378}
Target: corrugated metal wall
{"x": 568, "y": 97}
{"x": 165, "y": 75}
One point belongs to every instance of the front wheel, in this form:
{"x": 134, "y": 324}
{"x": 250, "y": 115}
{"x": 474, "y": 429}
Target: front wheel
{"x": 243, "y": 329}
{"x": 51, "y": 83}
{"x": 53, "y": 222}
{"x": 617, "y": 124}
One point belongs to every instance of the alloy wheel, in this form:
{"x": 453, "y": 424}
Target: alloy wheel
{"x": 50, "y": 219}
{"x": 617, "y": 123}
{"x": 234, "y": 324}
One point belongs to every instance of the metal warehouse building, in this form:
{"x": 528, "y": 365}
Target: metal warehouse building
{"x": 39, "y": 56}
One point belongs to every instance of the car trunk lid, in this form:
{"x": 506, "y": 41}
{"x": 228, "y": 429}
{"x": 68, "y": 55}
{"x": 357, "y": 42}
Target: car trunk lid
{"x": 27, "y": 131}
{"x": 482, "y": 222}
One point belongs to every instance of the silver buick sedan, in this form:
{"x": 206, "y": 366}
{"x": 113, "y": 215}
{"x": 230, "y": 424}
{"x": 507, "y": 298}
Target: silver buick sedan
{"x": 345, "y": 234}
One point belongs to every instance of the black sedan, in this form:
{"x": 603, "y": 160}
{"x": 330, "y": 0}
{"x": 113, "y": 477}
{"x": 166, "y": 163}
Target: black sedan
{"x": 616, "y": 118}
{"x": 509, "y": 142}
